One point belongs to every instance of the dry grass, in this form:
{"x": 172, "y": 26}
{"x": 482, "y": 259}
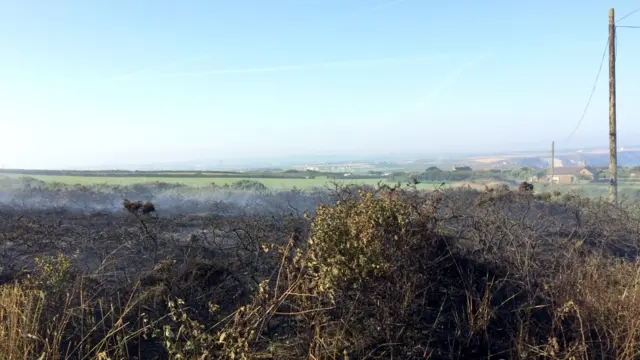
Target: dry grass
{"x": 602, "y": 298}
{"x": 20, "y": 312}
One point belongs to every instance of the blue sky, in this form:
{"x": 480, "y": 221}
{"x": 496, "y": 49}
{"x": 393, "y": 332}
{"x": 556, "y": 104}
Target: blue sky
{"x": 120, "y": 81}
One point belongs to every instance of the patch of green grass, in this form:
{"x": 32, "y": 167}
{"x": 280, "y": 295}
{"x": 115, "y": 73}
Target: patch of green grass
{"x": 625, "y": 188}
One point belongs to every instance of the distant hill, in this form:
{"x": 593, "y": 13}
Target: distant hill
{"x": 592, "y": 157}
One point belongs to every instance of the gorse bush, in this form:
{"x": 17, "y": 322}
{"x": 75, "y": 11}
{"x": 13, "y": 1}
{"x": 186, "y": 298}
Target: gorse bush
{"x": 362, "y": 253}
{"x": 356, "y": 240}
{"x": 376, "y": 273}
{"x": 52, "y": 274}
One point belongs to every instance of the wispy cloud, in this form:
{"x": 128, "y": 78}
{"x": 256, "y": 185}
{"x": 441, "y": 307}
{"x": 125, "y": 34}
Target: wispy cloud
{"x": 447, "y": 82}
{"x": 326, "y": 65}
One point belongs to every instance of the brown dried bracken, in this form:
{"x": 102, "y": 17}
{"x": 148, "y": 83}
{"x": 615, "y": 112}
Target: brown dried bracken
{"x": 525, "y": 187}
{"x": 137, "y": 207}
{"x": 148, "y": 208}
{"x": 133, "y": 207}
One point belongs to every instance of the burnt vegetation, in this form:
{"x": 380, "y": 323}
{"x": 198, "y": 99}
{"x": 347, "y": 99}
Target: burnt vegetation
{"x": 137, "y": 207}
{"x": 345, "y": 272}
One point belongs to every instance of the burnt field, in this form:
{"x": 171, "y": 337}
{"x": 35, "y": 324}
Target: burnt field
{"x": 91, "y": 225}
{"x": 346, "y": 272}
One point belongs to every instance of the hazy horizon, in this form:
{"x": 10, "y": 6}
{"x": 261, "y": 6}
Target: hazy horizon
{"x": 85, "y": 84}
{"x": 257, "y": 162}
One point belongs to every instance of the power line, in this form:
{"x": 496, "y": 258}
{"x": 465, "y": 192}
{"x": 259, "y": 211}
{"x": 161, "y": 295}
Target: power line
{"x": 628, "y": 26}
{"x": 629, "y": 14}
{"x": 593, "y": 90}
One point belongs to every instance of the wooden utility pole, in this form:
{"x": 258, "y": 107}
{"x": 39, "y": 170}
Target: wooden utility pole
{"x": 553, "y": 161}
{"x": 613, "y": 145}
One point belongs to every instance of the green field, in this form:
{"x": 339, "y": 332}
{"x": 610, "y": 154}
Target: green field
{"x": 272, "y": 183}
{"x": 630, "y": 189}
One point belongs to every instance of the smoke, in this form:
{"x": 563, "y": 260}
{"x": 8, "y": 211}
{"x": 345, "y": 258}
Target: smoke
{"x": 169, "y": 199}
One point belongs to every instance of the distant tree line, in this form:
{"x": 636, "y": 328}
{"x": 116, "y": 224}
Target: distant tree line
{"x": 434, "y": 174}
